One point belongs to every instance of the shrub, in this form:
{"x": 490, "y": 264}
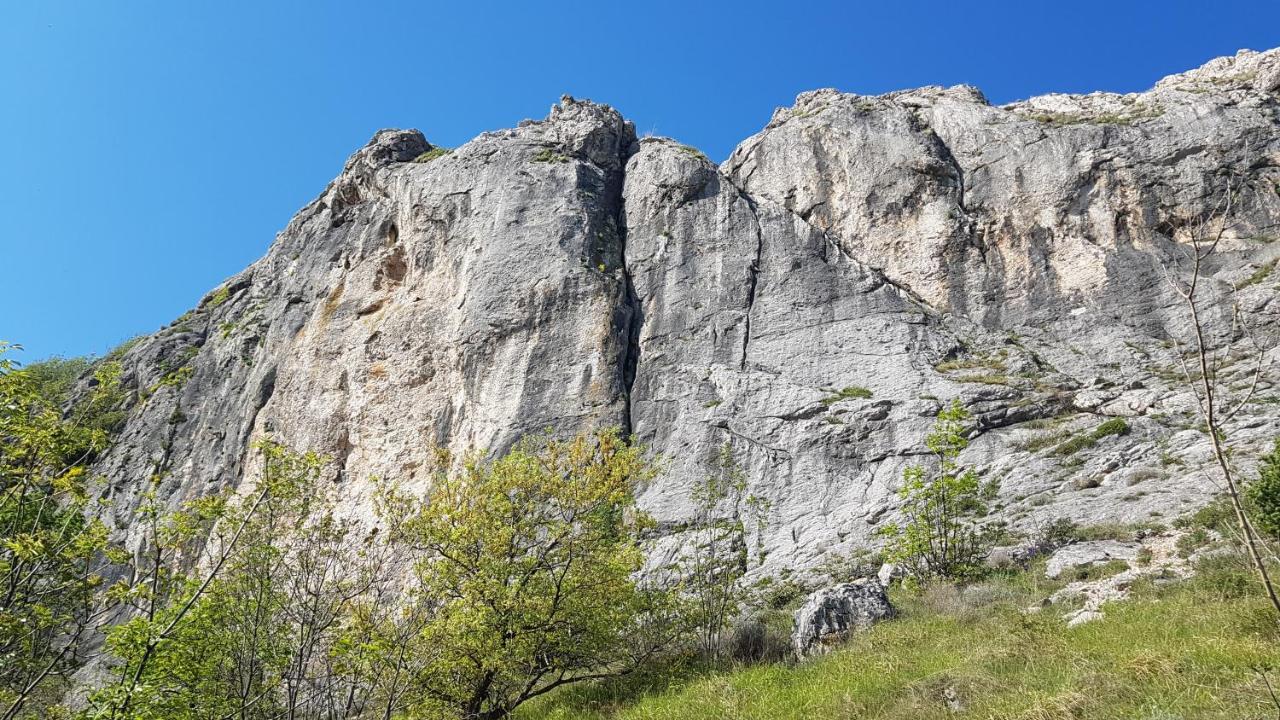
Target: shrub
{"x": 1192, "y": 541}
{"x": 1263, "y": 494}
{"x": 940, "y": 536}
{"x": 1226, "y": 576}
{"x": 1057, "y": 532}
{"x": 1258, "y": 275}
{"x": 531, "y": 565}
{"x": 1217, "y": 515}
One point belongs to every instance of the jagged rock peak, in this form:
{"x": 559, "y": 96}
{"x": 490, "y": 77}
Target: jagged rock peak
{"x": 387, "y": 146}
{"x": 581, "y": 128}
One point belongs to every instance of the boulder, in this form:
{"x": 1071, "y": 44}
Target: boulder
{"x": 1085, "y": 554}
{"x": 830, "y": 615}
{"x": 890, "y": 572}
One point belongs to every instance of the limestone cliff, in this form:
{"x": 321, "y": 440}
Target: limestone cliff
{"x": 922, "y": 245}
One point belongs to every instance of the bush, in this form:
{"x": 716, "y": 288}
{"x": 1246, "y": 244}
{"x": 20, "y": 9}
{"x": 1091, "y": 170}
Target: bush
{"x": 1263, "y": 494}
{"x": 1057, "y": 532}
{"x": 941, "y": 536}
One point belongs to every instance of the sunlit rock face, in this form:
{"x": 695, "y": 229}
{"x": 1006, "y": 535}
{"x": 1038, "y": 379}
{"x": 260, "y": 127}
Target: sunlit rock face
{"x": 811, "y": 303}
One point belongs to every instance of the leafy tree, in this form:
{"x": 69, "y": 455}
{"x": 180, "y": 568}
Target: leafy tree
{"x": 940, "y": 535}
{"x": 52, "y": 546}
{"x": 530, "y": 561}
{"x": 261, "y": 635}
{"x": 713, "y": 562}
{"x": 1264, "y": 493}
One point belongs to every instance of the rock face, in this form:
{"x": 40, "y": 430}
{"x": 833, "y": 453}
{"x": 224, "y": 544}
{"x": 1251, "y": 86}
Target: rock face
{"x": 829, "y": 616}
{"x": 811, "y": 302}
{"x": 1088, "y": 554}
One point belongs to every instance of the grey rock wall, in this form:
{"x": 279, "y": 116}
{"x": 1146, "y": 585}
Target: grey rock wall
{"x": 811, "y": 302}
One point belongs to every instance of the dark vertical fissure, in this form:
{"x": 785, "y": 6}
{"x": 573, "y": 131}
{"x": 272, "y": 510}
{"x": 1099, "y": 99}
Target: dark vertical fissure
{"x": 753, "y": 273}
{"x": 632, "y": 309}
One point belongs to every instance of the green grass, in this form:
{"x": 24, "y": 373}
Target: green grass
{"x": 1258, "y": 275}
{"x": 220, "y": 296}
{"x": 1114, "y": 426}
{"x": 432, "y": 154}
{"x": 853, "y": 392}
{"x": 975, "y": 362}
{"x": 1183, "y": 651}
{"x": 985, "y": 379}
{"x": 1041, "y": 441}
{"x": 694, "y": 153}
{"x": 547, "y": 155}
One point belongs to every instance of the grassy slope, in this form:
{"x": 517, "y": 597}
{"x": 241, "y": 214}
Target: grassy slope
{"x": 1183, "y": 651}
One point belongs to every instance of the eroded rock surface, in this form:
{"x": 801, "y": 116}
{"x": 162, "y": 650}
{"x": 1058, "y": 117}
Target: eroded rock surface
{"x": 811, "y": 302}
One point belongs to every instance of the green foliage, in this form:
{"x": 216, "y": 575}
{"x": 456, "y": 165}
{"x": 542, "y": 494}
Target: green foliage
{"x": 1114, "y": 426}
{"x": 853, "y": 392}
{"x": 530, "y": 561}
{"x": 994, "y": 362}
{"x": 220, "y": 296}
{"x": 54, "y": 378}
{"x": 718, "y": 551}
{"x": 262, "y": 634}
{"x": 547, "y": 155}
{"x": 1098, "y": 571}
{"x": 985, "y": 379}
{"x": 1263, "y": 494}
{"x": 1129, "y": 116}
{"x": 940, "y": 535}
{"x": 432, "y": 154}
{"x": 118, "y": 352}
{"x": 1258, "y": 275}
{"x": 52, "y": 544}
{"x": 694, "y": 153}
{"x": 1042, "y": 440}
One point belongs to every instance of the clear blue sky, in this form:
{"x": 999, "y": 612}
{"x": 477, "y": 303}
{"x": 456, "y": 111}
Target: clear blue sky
{"x": 151, "y": 149}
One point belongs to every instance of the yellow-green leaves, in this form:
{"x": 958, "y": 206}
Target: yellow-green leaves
{"x": 51, "y": 545}
{"x": 531, "y": 558}
{"x": 939, "y": 535}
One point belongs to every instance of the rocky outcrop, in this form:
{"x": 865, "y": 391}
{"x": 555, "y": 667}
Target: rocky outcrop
{"x": 830, "y": 615}
{"x": 811, "y": 302}
{"x": 1084, "y": 555}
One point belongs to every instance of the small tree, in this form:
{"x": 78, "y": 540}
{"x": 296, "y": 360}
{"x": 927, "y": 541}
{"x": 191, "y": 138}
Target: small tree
{"x": 1211, "y": 354}
{"x": 940, "y": 535}
{"x": 717, "y": 553}
{"x": 531, "y": 561}
{"x": 212, "y": 638}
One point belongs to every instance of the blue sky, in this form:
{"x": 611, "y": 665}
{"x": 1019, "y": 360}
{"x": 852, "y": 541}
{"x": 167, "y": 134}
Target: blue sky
{"x": 151, "y": 149}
